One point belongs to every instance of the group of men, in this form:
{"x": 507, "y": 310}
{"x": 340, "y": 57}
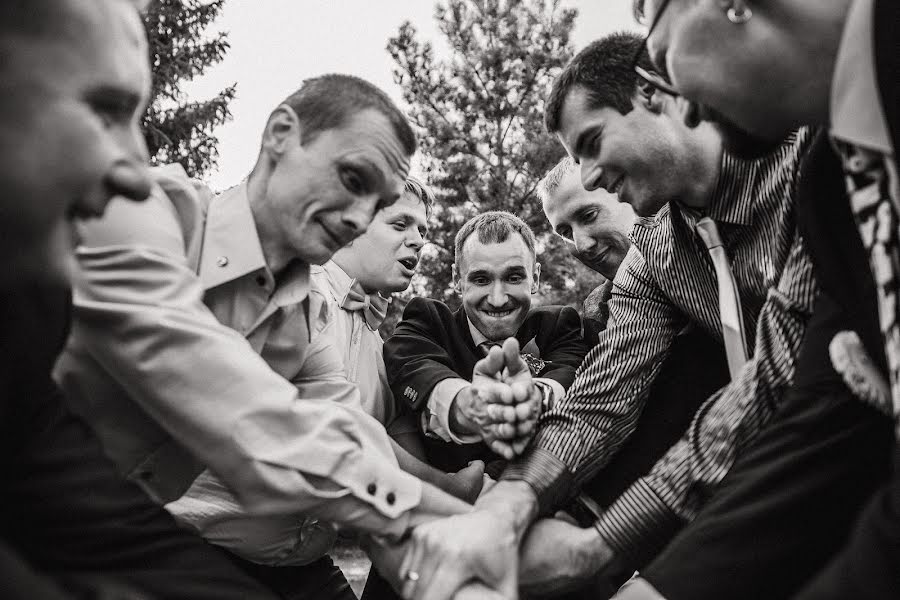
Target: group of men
{"x": 198, "y": 399}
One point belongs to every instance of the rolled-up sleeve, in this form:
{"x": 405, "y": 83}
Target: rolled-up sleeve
{"x": 139, "y": 313}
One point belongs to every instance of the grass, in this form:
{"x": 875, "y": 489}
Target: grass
{"x": 353, "y": 562}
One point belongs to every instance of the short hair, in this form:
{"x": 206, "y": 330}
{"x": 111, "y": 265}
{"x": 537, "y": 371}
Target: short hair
{"x": 421, "y": 191}
{"x": 328, "y": 101}
{"x": 554, "y": 177}
{"x": 493, "y": 227}
{"x": 604, "y": 70}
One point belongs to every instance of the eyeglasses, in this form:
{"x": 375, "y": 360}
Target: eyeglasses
{"x": 650, "y": 20}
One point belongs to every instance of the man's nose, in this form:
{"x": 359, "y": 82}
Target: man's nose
{"x": 130, "y": 179}
{"x": 415, "y": 240}
{"x": 584, "y": 244}
{"x": 358, "y": 216}
{"x": 591, "y": 175}
{"x": 498, "y": 295}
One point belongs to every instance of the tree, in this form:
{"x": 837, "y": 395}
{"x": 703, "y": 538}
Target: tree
{"x": 480, "y": 118}
{"x": 177, "y": 130}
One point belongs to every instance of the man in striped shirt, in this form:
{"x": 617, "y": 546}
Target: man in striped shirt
{"x": 634, "y": 141}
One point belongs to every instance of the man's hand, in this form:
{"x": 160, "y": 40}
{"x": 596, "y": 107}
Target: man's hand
{"x": 502, "y": 404}
{"x": 526, "y": 395}
{"x": 488, "y": 407}
{"x": 442, "y": 556}
{"x": 557, "y": 556}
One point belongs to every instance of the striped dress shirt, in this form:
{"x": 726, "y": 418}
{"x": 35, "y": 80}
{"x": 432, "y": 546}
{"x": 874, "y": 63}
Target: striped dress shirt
{"x": 666, "y": 283}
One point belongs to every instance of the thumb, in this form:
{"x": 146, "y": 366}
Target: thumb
{"x": 491, "y": 365}
{"x": 511, "y": 358}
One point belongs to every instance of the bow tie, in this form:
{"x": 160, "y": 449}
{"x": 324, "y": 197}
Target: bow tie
{"x": 373, "y": 306}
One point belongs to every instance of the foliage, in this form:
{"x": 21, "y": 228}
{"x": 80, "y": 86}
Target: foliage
{"x": 479, "y": 113}
{"x": 176, "y": 130}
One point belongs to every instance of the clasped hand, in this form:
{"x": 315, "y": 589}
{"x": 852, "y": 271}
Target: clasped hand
{"x": 503, "y": 403}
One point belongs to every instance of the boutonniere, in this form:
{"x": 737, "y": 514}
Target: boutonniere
{"x": 531, "y": 354}
{"x": 850, "y": 360}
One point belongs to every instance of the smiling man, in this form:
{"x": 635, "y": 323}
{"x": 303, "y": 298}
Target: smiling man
{"x": 196, "y": 343}
{"x": 699, "y": 207}
{"x": 431, "y": 356}
{"x": 74, "y": 79}
{"x": 595, "y": 223}
{"x": 769, "y": 66}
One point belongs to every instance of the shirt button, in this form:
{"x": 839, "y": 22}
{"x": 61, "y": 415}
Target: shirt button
{"x": 372, "y": 489}
{"x": 390, "y": 498}
{"x": 222, "y": 261}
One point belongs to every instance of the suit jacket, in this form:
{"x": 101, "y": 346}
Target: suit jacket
{"x": 792, "y": 500}
{"x": 869, "y": 565}
{"x": 433, "y": 343}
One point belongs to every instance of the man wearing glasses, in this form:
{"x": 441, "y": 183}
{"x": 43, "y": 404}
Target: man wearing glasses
{"x": 792, "y": 501}
{"x": 717, "y": 248}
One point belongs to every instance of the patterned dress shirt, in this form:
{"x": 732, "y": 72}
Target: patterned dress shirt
{"x": 666, "y": 282}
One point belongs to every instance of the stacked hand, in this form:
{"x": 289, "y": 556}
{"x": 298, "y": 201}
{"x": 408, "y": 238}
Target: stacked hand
{"x": 503, "y": 402}
{"x": 447, "y": 558}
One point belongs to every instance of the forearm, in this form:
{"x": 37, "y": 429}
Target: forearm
{"x": 514, "y": 501}
{"x": 436, "y": 504}
{"x": 646, "y": 515}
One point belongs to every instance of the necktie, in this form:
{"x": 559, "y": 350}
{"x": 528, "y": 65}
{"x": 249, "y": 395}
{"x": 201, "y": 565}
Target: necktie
{"x": 373, "y": 306}
{"x": 869, "y": 188}
{"x": 729, "y": 300}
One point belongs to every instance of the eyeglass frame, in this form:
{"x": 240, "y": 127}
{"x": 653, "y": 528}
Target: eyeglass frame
{"x": 652, "y": 79}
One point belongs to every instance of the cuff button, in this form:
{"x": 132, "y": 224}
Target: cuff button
{"x": 372, "y": 488}
{"x": 390, "y": 498}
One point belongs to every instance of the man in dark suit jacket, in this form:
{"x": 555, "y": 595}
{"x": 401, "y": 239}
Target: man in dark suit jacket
{"x": 432, "y": 354}
{"x": 788, "y": 506}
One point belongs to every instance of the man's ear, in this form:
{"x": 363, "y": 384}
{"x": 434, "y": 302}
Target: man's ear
{"x": 536, "y": 280}
{"x": 282, "y": 130}
{"x": 650, "y": 98}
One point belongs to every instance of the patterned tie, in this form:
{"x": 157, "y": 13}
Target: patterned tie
{"x": 729, "y": 300}
{"x": 868, "y": 185}
{"x": 373, "y": 306}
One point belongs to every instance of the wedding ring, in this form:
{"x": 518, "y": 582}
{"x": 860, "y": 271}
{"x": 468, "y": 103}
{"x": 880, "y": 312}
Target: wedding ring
{"x": 412, "y": 576}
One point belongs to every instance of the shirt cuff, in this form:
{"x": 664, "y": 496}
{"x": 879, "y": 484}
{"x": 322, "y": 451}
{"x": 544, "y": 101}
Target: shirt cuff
{"x": 438, "y": 410}
{"x": 558, "y": 390}
{"x": 548, "y": 476}
{"x": 638, "y": 525}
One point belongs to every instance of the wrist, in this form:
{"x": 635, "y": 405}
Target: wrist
{"x": 513, "y": 501}
{"x": 599, "y": 554}
{"x": 458, "y": 421}
{"x": 546, "y": 392}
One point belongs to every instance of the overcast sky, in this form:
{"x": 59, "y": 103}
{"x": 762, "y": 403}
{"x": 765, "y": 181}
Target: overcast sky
{"x": 275, "y": 44}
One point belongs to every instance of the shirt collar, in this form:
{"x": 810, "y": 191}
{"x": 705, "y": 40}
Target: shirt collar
{"x": 478, "y": 338}
{"x": 729, "y": 202}
{"x": 857, "y": 116}
{"x": 231, "y": 249}
{"x": 338, "y": 280}
{"x": 722, "y": 207}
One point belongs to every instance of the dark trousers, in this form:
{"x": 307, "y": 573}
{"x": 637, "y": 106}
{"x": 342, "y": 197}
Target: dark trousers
{"x": 789, "y": 502}
{"x": 69, "y": 520}
{"x": 868, "y": 566}
{"x": 320, "y": 580}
